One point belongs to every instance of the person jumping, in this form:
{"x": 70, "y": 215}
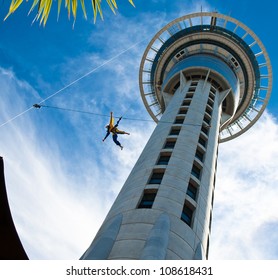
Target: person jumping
{"x": 111, "y": 128}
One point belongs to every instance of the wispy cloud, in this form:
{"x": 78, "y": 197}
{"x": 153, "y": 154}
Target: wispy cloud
{"x": 59, "y": 199}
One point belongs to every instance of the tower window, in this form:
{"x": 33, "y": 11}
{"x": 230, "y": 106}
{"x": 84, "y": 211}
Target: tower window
{"x": 163, "y": 159}
{"x": 207, "y": 120}
{"x": 191, "y": 89}
{"x": 183, "y": 111}
{"x": 205, "y": 129}
{"x": 210, "y": 103}
{"x": 175, "y": 131}
{"x": 234, "y": 62}
{"x": 196, "y": 77}
{"x": 170, "y": 144}
{"x": 202, "y": 141}
{"x": 186, "y": 102}
{"x": 208, "y": 110}
{"x": 211, "y": 96}
{"x": 196, "y": 171}
{"x": 210, "y": 220}
{"x": 212, "y": 199}
{"x": 213, "y": 91}
{"x": 187, "y": 213}
{"x": 199, "y": 155}
{"x": 191, "y": 191}
{"x": 156, "y": 177}
{"x": 179, "y": 120}
{"x": 207, "y": 252}
{"x": 215, "y": 84}
{"x": 147, "y": 199}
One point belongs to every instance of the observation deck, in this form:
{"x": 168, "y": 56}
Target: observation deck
{"x": 213, "y": 47}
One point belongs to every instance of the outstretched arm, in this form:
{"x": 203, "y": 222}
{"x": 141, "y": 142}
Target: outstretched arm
{"x": 118, "y": 121}
{"x": 111, "y": 123}
{"x": 107, "y": 134}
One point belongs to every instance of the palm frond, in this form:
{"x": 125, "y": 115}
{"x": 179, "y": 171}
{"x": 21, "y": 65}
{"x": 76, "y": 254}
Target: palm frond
{"x": 35, "y": 3}
{"x": 14, "y": 5}
{"x": 44, "y": 8}
{"x": 67, "y": 5}
{"x": 112, "y": 4}
{"x": 83, "y": 8}
{"x": 74, "y": 8}
{"x": 97, "y": 9}
{"x": 131, "y": 2}
{"x": 59, "y": 8}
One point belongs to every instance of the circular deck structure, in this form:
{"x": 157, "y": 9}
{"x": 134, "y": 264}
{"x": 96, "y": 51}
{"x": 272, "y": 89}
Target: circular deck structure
{"x": 215, "y": 47}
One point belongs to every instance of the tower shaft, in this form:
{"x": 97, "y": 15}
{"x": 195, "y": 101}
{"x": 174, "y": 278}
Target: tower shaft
{"x": 164, "y": 208}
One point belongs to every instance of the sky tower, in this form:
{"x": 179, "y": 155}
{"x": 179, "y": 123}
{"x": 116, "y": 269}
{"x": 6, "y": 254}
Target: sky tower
{"x": 205, "y": 78}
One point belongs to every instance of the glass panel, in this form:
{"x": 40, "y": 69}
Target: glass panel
{"x": 207, "y": 120}
{"x": 186, "y": 103}
{"x": 163, "y": 160}
{"x": 179, "y": 120}
{"x": 205, "y": 130}
{"x": 196, "y": 171}
{"x": 202, "y": 141}
{"x": 156, "y": 178}
{"x": 147, "y": 200}
{"x": 199, "y": 155}
{"x": 175, "y": 131}
{"x": 186, "y": 215}
{"x": 169, "y": 145}
{"x": 191, "y": 191}
{"x": 183, "y": 111}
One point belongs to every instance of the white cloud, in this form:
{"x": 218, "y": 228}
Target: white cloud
{"x": 245, "y": 195}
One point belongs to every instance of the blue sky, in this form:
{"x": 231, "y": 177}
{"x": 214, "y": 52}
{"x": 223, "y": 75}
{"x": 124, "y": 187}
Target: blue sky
{"x": 62, "y": 179}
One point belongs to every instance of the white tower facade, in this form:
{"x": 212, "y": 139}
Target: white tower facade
{"x": 205, "y": 78}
